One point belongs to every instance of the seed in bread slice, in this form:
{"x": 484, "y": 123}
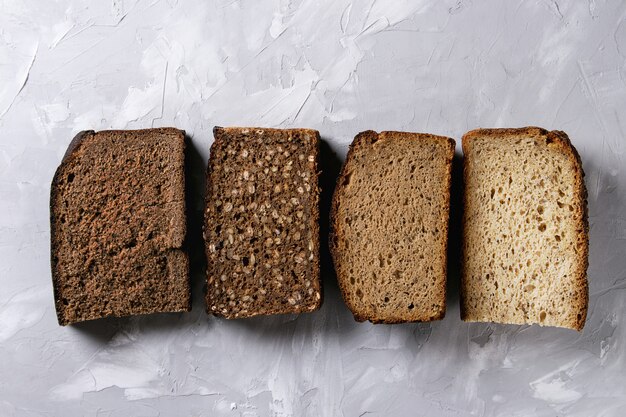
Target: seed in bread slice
{"x": 117, "y": 214}
{"x": 261, "y": 222}
{"x": 525, "y": 242}
{"x": 389, "y": 217}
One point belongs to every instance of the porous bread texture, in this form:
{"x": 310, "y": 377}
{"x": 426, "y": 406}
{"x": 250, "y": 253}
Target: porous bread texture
{"x": 525, "y": 246}
{"x": 117, "y": 214}
{"x": 262, "y": 222}
{"x": 389, "y": 220}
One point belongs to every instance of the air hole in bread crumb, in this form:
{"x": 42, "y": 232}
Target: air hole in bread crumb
{"x": 542, "y": 227}
{"x": 386, "y": 299}
{"x": 542, "y": 316}
{"x": 540, "y": 209}
{"x": 346, "y": 179}
{"x": 411, "y": 306}
{"x": 70, "y": 178}
{"x": 557, "y": 237}
{"x": 359, "y": 293}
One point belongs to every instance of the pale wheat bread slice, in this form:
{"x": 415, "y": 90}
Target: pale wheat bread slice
{"x": 117, "y": 220}
{"x": 390, "y": 226}
{"x": 525, "y": 245}
{"x": 262, "y": 222}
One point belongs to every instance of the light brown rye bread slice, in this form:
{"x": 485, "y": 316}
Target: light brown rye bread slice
{"x": 117, "y": 219}
{"x": 389, "y": 220}
{"x": 525, "y": 245}
{"x": 262, "y": 222}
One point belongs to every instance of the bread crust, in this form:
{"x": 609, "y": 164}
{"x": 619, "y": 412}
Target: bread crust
{"x": 71, "y": 152}
{"x": 219, "y": 134}
{"x": 54, "y": 260}
{"x": 560, "y": 141}
{"x": 362, "y": 140}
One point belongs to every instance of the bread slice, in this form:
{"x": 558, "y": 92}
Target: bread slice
{"x": 117, "y": 220}
{"x": 261, "y": 223}
{"x": 525, "y": 242}
{"x": 389, "y": 219}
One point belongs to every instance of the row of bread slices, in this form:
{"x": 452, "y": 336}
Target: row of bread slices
{"x": 118, "y": 226}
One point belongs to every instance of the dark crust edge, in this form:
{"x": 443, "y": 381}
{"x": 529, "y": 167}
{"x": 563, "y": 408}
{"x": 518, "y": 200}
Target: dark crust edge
{"x": 562, "y": 141}
{"x": 184, "y": 249}
{"x": 315, "y": 222}
{"x": 218, "y": 133}
{"x": 364, "y": 139}
{"x": 267, "y": 130}
{"x": 75, "y": 144}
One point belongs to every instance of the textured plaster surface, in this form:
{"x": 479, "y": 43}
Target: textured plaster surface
{"x": 442, "y": 67}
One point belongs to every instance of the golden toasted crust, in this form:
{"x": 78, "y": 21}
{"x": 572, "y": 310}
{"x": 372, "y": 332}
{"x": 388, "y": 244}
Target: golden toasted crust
{"x": 559, "y": 141}
{"x": 362, "y": 141}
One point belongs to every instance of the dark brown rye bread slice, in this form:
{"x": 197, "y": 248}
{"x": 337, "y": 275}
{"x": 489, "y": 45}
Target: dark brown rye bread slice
{"x": 389, "y": 221}
{"x": 261, "y": 224}
{"x": 525, "y": 244}
{"x": 117, "y": 219}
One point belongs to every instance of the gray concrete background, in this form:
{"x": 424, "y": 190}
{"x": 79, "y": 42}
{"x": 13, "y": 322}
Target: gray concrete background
{"x": 442, "y": 67}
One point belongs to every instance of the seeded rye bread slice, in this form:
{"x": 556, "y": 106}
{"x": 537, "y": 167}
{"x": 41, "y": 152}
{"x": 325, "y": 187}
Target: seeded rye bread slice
{"x": 389, "y": 218}
{"x": 261, "y": 223}
{"x": 525, "y": 243}
{"x": 117, "y": 220}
